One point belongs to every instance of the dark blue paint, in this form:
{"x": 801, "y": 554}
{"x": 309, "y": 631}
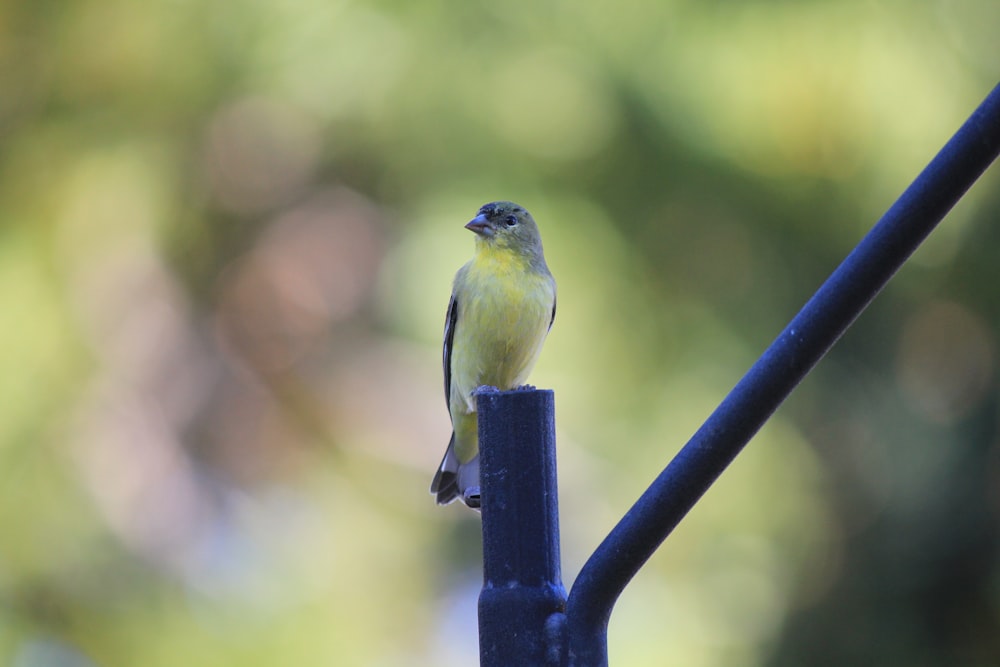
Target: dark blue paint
{"x": 522, "y": 600}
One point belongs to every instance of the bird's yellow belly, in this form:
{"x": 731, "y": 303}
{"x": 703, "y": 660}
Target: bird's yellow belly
{"x": 510, "y": 329}
{"x": 511, "y": 320}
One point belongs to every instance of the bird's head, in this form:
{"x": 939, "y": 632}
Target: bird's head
{"x": 505, "y": 224}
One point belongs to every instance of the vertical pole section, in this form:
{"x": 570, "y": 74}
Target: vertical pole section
{"x": 522, "y": 600}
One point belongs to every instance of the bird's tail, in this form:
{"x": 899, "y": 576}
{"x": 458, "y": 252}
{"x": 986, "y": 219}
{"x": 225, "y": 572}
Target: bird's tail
{"x": 445, "y": 484}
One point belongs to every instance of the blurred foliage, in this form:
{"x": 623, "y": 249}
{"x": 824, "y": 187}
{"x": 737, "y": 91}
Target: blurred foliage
{"x": 227, "y": 233}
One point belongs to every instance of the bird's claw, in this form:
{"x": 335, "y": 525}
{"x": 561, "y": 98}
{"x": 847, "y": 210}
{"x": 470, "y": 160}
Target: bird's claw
{"x": 472, "y": 498}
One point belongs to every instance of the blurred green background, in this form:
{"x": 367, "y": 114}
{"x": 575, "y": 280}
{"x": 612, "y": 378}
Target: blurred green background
{"x": 227, "y": 234}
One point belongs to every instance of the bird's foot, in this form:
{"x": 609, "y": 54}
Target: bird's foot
{"x": 471, "y": 497}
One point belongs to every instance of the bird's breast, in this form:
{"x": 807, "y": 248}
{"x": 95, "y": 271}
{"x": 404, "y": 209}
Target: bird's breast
{"x": 501, "y": 327}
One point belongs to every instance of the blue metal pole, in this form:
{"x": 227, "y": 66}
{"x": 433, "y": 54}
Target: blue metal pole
{"x": 521, "y": 604}
{"x": 789, "y": 358}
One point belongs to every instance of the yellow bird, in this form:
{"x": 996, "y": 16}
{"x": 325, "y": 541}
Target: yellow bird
{"x": 502, "y": 305}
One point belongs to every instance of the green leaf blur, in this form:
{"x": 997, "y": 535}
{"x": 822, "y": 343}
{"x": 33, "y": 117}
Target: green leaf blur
{"x": 227, "y": 235}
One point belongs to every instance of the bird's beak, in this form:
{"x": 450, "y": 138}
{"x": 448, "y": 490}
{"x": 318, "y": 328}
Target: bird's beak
{"x": 480, "y": 225}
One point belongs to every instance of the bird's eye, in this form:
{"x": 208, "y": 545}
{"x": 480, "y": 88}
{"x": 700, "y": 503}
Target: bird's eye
{"x": 510, "y": 220}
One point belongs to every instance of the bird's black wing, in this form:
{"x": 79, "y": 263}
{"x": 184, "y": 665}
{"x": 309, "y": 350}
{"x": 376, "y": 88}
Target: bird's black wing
{"x": 449, "y": 336}
{"x": 553, "y": 313}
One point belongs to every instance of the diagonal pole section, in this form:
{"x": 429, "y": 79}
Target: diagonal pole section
{"x": 771, "y": 379}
